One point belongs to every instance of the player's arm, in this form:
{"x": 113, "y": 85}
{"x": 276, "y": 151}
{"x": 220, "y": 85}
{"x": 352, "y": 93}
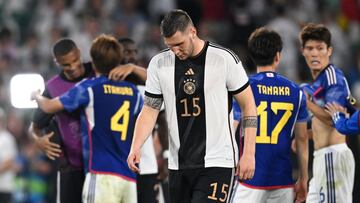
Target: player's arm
{"x": 47, "y": 105}
{"x": 344, "y": 125}
{"x": 51, "y": 149}
{"x": 122, "y": 71}
{"x": 246, "y": 102}
{"x": 318, "y": 112}
{"x": 302, "y": 152}
{"x": 144, "y": 125}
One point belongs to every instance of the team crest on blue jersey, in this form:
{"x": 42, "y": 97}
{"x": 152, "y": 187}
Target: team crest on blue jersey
{"x": 189, "y": 86}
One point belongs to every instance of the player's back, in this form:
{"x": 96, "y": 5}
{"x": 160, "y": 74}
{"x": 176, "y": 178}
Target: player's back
{"x": 111, "y": 114}
{"x": 280, "y": 104}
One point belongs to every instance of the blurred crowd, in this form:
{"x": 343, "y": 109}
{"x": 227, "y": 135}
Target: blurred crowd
{"x": 29, "y": 28}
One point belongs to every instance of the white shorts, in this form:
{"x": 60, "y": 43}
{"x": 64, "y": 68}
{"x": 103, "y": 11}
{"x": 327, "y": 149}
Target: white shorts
{"x": 100, "y": 188}
{"x": 242, "y": 194}
{"x": 333, "y": 175}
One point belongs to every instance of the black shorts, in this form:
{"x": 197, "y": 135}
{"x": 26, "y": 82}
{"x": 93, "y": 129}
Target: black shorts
{"x": 206, "y": 185}
{"x": 71, "y": 185}
{"x": 148, "y": 190}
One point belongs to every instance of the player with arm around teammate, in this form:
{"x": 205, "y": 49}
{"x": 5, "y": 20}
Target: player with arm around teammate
{"x": 333, "y": 165}
{"x": 108, "y": 115}
{"x": 66, "y": 148}
{"x": 195, "y": 79}
{"x": 281, "y": 107}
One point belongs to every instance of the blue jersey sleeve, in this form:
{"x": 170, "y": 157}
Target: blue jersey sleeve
{"x": 236, "y": 110}
{"x": 348, "y": 126}
{"x": 336, "y": 93}
{"x": 75, "y": 97}
{"x": 303, "y": 115}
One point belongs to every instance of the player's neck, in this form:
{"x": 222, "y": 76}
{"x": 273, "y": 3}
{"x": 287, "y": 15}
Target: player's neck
{"x": 266, "y": 69}
{"x": 198, "y": 46}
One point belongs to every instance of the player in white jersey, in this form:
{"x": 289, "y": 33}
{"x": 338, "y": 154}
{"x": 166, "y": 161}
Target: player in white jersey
{"x": 196, "y": 80}
{"x": 333, "y": 166}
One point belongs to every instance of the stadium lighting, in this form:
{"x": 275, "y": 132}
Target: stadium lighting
{"x": 21, "y": 87}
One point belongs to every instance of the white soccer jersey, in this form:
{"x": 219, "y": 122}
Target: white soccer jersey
{"x": 197, "y": 94}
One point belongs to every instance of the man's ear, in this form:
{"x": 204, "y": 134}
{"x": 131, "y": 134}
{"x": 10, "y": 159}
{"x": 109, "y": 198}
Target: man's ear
{"x": 330, "y": 50}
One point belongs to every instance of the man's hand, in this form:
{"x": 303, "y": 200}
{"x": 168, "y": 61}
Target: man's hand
{"x": 121, "y": 72}
{"x": 134, "y": 160}
{"x": 332, "y": 108}
{"x": 35, "y": 94}
{"x": 52, "y": 150}
{"x": 246, "y": 167}
{"x": 300, "y": 191}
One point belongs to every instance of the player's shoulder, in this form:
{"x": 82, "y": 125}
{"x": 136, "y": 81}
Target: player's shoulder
{"x": 332, "y": 75}
{"x": 218, "y": 50}
{"x": 164, "y": 58}
{"x": 54, "y": 80}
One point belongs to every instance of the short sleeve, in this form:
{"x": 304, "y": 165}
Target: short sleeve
{"x": 303, "y": 115}
{"x": 152, "y": 85}
{"x": 236, "y": 77}
{"x": 75, "y": 97}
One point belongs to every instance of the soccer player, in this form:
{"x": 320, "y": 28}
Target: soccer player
{"x": 146, "y": 182}
{"x": 342, "y": 122}
{"x": 68, "y": 150}
{"x": 108, "y": 111}
{"x": 281, "y": 107}
{"x": 196, "y": 80}
{"x": 333, "y": 165}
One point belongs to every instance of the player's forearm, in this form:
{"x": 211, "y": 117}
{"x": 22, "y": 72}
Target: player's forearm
{"x": 34, "y": 131}
{"x": 140, "y": 72}
{"x": 144, "y": 126}
{"x": 249, "y": 141}
{"x": 302, "y": 146}
{"x": 347, "y": 126}
{"x": 49, "y": 105}
{"x": 319, "y": 113}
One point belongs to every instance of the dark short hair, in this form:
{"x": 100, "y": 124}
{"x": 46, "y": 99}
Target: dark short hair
{"x": 263, "y": 44}
{"x": 126, "y": 40}
{"x": 63, "y": 46}
{"x": 106, "y": 53}
{"x": 317, "y": 32}
{"x": 175, "y": 20}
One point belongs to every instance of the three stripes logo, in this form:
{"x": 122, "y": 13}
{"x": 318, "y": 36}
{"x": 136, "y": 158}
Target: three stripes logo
{"x": 189, "y": 72}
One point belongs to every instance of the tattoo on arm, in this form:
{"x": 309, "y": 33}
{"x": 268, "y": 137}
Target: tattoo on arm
{"x": 154, "y": 103}
{"x": 249, "y": 122}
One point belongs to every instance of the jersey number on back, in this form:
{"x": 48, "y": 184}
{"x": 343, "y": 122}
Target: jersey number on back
{"x": 263, "y": 138}
{"x": 123, "y": 113}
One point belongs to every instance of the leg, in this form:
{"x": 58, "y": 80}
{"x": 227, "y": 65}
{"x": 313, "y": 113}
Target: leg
{"x": 285, "y": 195}
{"x": 179, "y": 187}
{"x": 245, "y": 194}
{"x": 71, "y": 185}
{"x": 213, "y": 185}
{"x": 148, "y": 188}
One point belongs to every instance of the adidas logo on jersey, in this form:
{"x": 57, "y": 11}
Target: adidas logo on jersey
{"x": 190, "y": 72}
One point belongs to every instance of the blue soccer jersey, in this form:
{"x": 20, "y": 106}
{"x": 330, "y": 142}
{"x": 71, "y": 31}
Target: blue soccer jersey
{"x": 331, "y": 86}
{"x": 108, "y": 118}
{"x": 280, "y": 104}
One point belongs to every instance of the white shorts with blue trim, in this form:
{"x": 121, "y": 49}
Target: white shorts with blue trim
{"x": 333, "y": 175}
{"x": 100, "y": 188}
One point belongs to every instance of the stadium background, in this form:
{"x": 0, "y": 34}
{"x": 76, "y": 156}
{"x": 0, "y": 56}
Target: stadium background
{"x": 28, "y": 28}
